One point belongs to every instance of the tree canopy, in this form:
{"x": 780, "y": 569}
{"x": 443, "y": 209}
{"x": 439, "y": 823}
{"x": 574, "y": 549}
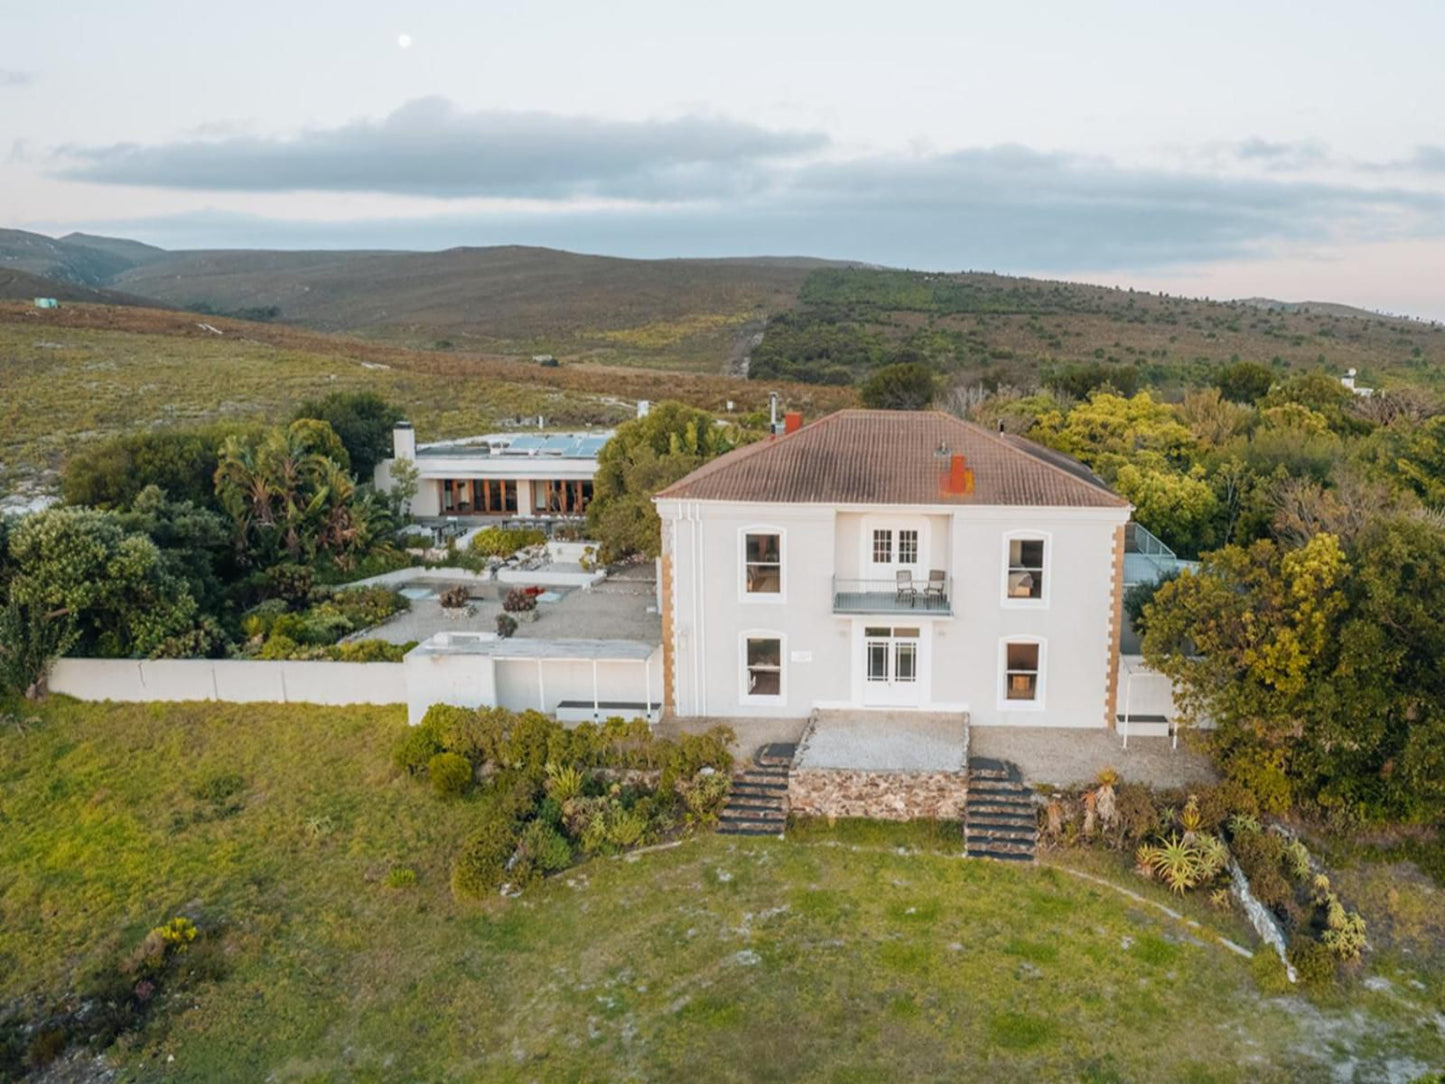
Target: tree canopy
{"x": 362, "y": 420}
{"x": 906, "y": 386}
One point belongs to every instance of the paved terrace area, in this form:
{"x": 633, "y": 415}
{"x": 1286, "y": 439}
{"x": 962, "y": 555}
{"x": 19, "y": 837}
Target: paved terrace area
{"x": 880, "y": 741}
{"x": 1046, "y": 755}
{"x": 621, "y": 607}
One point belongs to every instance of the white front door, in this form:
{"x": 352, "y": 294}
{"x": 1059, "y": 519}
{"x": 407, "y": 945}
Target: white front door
{"x": 891, "y": 666}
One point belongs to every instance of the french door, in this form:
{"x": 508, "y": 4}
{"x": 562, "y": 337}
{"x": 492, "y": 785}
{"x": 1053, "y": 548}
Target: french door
{"x": 891, "y": 657}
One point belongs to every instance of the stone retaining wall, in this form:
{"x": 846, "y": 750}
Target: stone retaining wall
{"x": 898, "y": 796}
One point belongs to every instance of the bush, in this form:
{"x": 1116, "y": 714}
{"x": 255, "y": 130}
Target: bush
{"x": 519, "y": 600}
{"x": 450, "y": 774}
{"x": 1314, "y": 964}
{"x": 260, "y": 620}
{"x": 504, "y": 541}
{"x": 506, "y": 625}
{"x": 481, "y": 865}
{"x": 400, "y": 877}
{"x": 1269, "y": 973}
{"x": 908, "y": 386}
{"x": 414, "y": 749}
{"x": 369, "y": 651}
{"x": 704, "y": 795}
{"x": 456, "y": 597}
{"x": 542, "y": 849}
{"x": 1261, "y": 856}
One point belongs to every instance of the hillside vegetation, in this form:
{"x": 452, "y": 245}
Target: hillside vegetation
{"x": 85, "y": 372}
{"x": 992, "y": 329}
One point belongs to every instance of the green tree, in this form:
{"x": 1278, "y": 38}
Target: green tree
{"x": 1107, "y": 431}
{"x": 287, "y": 496}
{"x": 1244, "y": 381}
{"x": 82, "y": 565}
{"x": 1178, "y": 507}
{"x": 363, "y": 420}
{"x": 1078, "y": 381}
{"x": 112, "y": 473}
{"x": 648, "y": 454}
{"x": 907, "y": 386}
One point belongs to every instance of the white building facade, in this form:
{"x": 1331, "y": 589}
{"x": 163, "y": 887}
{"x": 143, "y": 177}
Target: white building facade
{"x": 893, "y": 560}
{"x": 501, "y": 476}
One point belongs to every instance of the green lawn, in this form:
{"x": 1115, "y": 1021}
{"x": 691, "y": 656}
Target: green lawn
{"x": 835, "y": 956}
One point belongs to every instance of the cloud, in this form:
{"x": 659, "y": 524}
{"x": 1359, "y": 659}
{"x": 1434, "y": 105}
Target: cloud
{"x": 1428, "y": 159}
{"x": 1282, "y": 156}
{"x": 707, "y": 186}
{"x": 429, "y": 147}
{"x": 12, "y": 78}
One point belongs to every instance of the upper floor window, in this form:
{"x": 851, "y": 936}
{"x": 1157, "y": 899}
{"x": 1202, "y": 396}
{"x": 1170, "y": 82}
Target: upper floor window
{"x": 908, "y": 547}
{"x": 763, "y": 563}
{"x": 1025, "y": 568}
{"x": 882, "y": 547}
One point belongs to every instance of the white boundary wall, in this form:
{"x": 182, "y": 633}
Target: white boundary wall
{"x": 232, "y": 680}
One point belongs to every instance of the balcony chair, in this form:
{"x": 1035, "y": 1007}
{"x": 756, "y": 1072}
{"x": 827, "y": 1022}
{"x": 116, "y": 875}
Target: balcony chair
{"x": 937, "y": 586}
{"x": 904, "y": 589}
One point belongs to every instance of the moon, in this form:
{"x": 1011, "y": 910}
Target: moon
{"x": 403, "y": 41}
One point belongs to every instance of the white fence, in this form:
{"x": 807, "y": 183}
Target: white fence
{"x": 232, "y": 680}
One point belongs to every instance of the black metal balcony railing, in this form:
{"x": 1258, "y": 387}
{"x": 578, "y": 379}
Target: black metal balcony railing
{"x": 926, "y": 595}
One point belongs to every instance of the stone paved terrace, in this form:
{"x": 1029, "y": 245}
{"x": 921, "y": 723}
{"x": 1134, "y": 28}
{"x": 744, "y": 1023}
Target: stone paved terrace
{"x": 1062, "y": 757}
{"x": 621, "y": 607}
{"x": 885, "y": 741}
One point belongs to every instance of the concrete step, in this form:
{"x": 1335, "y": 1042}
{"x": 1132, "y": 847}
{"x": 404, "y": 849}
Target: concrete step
{"x": 765, "y": 773}
{"x": 997, "y": 805}
{"x": 762, "y": 813}
{"x": 749, "y": 830}
{"x": 760, "y": 790}
{"x": 998, "y": 786}
{"x": 749, "y": 805}
{"x": 1002, "y": 835}
{"x": 998, "y": 821}
{"x": 1001, "y": 856}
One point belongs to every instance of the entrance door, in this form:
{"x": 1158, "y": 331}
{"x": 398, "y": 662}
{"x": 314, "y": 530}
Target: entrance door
{"x": 891, "y": 666}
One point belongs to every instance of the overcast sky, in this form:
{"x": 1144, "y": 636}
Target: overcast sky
{"x": 1230, "y": 149}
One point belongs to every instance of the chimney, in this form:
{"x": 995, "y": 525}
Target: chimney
{"x": 773, "y": 412}
{"x": 403, "y": 441}
{"x": 959, "y": 479}
{"x": 792, "y": 421}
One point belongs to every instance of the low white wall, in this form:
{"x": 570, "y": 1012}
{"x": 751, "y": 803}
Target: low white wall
{"x": 544, "y": 577}
{"x": 232, "y": 680}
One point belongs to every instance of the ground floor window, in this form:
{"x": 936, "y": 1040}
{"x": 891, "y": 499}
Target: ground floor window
{"x": 479, "y": 496}
{"x": 763, "y": 660}
{"x": 1021, "y": 672}
{"x": 558, "y": 497}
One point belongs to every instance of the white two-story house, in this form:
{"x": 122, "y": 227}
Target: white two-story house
{"x": 893, "y": 560}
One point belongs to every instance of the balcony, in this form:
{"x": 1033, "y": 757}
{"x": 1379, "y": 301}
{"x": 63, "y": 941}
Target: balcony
{"x": 916, "y": 596}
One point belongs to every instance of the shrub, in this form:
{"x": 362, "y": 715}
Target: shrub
{"x": 1136, "y": 813}
{"x": 1314, "y": 964}
{"x": 564, "y": 783}
{"x": 1269, "y": 973}
{"x": 400, "y": 877}
{"x": 504, "y": 541}
{"x": 450, "y": 774}
{"x": 415, "y": 748}
{"x": 704, "y": 795}
{"x": 519, "y": 600}
{"x": 506, "y": 625}
{"x": 481, "y": 865}
{"x": 369, "y": 651}
{"x": 1260, "y": 855}
{"x": 1344, "y": 933}
{"x": 544, "y": 848}
{"x": 456, "y": 597}
{"x": 259, "y": 620}
{"x": 1222, "y": 801}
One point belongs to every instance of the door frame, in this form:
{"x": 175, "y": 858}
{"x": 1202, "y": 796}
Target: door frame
{"x": 892, "y": 693}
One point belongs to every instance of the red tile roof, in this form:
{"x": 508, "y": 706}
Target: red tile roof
{"x": 895, "y": 457}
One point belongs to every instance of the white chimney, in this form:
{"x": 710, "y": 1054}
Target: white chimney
{"x": 644, "y": 407}
{"x": 403, "y": 441}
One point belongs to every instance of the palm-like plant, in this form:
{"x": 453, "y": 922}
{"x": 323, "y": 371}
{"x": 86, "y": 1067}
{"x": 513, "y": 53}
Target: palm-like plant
{"x": 1175, "y": 861}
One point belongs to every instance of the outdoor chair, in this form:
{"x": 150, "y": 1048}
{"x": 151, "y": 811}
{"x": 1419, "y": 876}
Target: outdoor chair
{"x": 906, "y": 592}
{"x": 937, "y": 585}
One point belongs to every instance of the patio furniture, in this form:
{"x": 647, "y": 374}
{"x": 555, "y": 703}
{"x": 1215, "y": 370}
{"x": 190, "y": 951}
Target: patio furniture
{"x": 937, "y": 586}
{"x": 904, "y": 589}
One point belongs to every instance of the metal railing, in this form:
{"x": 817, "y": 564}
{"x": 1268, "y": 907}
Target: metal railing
{"x": 923, "y": 595}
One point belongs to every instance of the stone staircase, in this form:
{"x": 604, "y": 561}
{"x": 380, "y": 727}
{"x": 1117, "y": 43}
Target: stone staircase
{"x": 1000, "y": 819}
{"x": 758, "y": 802}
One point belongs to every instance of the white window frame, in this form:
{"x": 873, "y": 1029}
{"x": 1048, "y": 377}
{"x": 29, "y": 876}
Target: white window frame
{"x": 1040, "y": 685}
{"x": 744, "y": 695}
{"x": 744, "y": 595}
{"x": 1042, "y": 602}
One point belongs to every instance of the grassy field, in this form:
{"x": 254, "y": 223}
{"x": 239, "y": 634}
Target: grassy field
{"x": 855, "y": 954}
{"x": 88, "y": 371}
